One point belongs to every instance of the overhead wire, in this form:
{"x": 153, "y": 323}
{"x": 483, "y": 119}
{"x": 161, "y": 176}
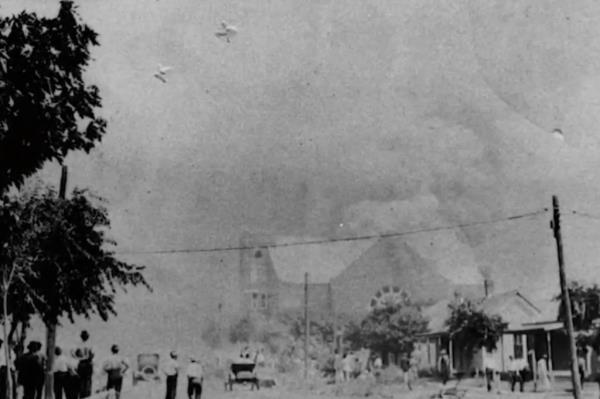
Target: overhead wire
{"x": 584, "y": 215}
{"x": 337, "y": 239}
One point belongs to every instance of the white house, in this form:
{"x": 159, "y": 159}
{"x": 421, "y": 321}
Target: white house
{"x": 530, "y": 333}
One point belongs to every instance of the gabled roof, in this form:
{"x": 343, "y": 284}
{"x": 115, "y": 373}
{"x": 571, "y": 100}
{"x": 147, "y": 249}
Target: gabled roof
{"x": 515, "y": 308}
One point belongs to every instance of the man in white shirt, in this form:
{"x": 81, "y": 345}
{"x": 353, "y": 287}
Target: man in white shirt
{"x": 491, "y": 369}
{"x": 115, "y": 366}
{"x": 85, "y": 366}
{"x": 60, "y": 370}
{"x": 195, "y": 376}
{"x": 347, "y": 366}
{"x": 171, "y": 370}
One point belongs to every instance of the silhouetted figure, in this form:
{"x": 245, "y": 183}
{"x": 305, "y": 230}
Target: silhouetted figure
{"x": 171, "y": 370}
{"x": 85, "y": 367}
{"x": 31, "y": 371}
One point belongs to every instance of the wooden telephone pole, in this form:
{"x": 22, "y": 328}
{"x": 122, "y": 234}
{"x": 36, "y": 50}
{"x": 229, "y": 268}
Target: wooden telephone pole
{"x": 306, "y": 325}
{"x": 565, "y": 298}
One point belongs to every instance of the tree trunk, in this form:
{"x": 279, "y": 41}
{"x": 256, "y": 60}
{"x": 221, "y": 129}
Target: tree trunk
{"x": 50, "y": 345}
{"x": 8, "y": 375}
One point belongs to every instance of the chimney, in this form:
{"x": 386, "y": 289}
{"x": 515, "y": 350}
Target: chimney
{"x": 488, "y": 287}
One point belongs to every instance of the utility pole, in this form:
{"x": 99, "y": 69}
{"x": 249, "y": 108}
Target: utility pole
{"x": 565, "y": 298}
{"x": 306, "y": 325}
{"x": 51, "y": 328}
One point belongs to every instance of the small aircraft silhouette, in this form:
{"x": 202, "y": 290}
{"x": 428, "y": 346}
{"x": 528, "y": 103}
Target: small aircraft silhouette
{"x": 162, "y": 73}
{"x": 227, "y": 33}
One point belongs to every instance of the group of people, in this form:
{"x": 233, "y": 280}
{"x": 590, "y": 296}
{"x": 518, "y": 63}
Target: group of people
{"x": 194, "y": 375}
{"x": 347, "y": 366}
{"x": 246, "y": 356}
{"x": 72, "y": 370}
{"x": 519, "y": 372}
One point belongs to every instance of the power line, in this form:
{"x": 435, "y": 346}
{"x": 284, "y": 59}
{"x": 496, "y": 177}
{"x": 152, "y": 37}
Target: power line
{"x": 340, "y": 239}
{"x": 585, "y": 215}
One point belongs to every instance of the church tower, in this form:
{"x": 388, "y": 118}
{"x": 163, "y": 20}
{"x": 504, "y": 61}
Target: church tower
{"x": 259, "y": 282}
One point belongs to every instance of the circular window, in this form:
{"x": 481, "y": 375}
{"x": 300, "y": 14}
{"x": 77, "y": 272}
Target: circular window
{"x": 385, "y": 296}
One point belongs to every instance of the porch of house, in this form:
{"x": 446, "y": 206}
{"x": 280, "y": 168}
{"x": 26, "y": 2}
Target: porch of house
{"x": 530, "y": 342}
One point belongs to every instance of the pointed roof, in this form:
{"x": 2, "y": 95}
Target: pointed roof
{"x": 514, "y": 308}
{"x": 391, "y": 261}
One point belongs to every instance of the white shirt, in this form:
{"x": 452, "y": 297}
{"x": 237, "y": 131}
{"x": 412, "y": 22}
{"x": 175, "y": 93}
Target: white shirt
{"x": 171, "y": 367}
{"x": 115, "y": 362}
{"x": 489, "y": 361}
{"x": 347, "y": 363}
{"x": 377, "y": 363}
{"x": 194, "y": 370}
{"x": 61, "y": 364}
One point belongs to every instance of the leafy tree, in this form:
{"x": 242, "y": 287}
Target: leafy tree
{"x": 14, "y": 265}
{"x": 472, "y": 328}
{"x": 73, "y": 271}
{"x": 321, "y": 325}
{"x": 353, "y": 335}
{"x": 48, "y": 110}
{"x": 585, "y": 305}
{"x": 393, "y": 327}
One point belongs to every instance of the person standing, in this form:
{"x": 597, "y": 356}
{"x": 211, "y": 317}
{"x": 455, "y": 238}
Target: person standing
{"x": 3, "y": 367}
{"x": 85, "y": 366}
{"x": 405, "y": 366}
{"x": 171, "y": 370}
{"x": 444, "y": 366}
{"x": 523, "y": 372}
{"x": 347, "y": 366}
{"x": 581, "y": 366}
{"x": 31, "y": 371}
{"x": 115, "y": 367}
{"x": 60, "y": 371}
{"x": 542, "y": 372}
{"x": 514, "y": 370}
{"x": 72, "y": 385}
{"x": 337, "y": 365}
{"x": 195, "y": 376}
{"x": 491, "y": 370}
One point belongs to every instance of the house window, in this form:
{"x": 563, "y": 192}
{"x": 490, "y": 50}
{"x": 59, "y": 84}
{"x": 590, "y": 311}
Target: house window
{"x": 258, "y": 301}
{"x": 518, "y": 347}
{"x": 263, "y": 301}
{"x": 258, "y": 254}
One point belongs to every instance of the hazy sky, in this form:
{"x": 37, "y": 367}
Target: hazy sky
{"x": 327, "y": 118}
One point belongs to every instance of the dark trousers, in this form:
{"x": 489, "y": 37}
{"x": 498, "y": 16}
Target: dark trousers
{"x": 3, "y": 383}
{"x": 85, "y": 386}
{"x": 581, "y": 376}
{"x": 445, "y": 374}
{"x": 194, "y": 389}
{"x": 72, "y": 386}
{"x": 489, "y": 378}
{"x": 171, "y": 387}
{"x": 60, "y": 384}
{"x": 515, "y": 377}
{"x": 32, "y": 391}
{"x": 115, "y": 383}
